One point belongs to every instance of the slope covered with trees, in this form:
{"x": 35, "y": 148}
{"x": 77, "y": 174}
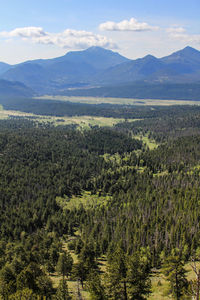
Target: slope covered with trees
{"x": 145, "y": 215}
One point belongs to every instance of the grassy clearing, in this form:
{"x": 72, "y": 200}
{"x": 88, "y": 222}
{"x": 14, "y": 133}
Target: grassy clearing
{"x": 194, "y": 169}
{"x": 151, "y": 144}
{"x": 83, "y": 122}
{"x": 163, "y": 173}
{"x": 125, "y": 101}
{"x": 160, "y": 284}
{"x": 6, "y": 114}
{"x": 115, "y": 158}
{"x": 159, "y": 287}
{"x": 87, "y": 200}
{"x": 73, "y": 287}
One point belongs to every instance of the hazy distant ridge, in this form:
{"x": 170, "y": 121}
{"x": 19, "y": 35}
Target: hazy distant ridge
{"x": 98, "y": 67}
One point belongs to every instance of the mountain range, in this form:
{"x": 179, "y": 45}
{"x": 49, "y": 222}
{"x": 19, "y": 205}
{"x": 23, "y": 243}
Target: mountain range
{"x": 14, "y": 89}
{"x": 97, "y": 67}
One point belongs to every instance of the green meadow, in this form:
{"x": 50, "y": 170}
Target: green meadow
{"x": 122, "y": 101}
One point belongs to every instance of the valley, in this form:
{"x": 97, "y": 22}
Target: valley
{"x": 100, "y": 177}
{"x": 83, "y": 122}
{"x": 100, "y": 150}
{"x": 90, "y": 193}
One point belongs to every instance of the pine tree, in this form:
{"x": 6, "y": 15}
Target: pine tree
{"x": 176, "y": 274}
{"x": 80, "y": 272}
{"x": 62, "y": 292}
{"x": 25, "y": 294}
{"x": 128, "y": 278}
{"x": 64, "y": 265}
{"x": 138, "y": 278}
{"x": 95, "y": 287}
{"x": 116, "y": 276}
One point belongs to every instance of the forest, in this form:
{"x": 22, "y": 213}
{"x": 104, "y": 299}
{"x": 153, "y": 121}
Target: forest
{"x": 142, "y": 216}
{"x": 66, "y": 108}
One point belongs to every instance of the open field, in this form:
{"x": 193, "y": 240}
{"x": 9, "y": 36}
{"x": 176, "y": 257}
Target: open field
{"x": 146, "y": 140}
{"x": 86, "y": 200}
{"x": 125, "y": 101}
{"x": 5, "y": 114}
{"x": 83, "y": 122}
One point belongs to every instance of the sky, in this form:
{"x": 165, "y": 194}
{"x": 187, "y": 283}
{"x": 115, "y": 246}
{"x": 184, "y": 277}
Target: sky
{"x": 134, "y": 28}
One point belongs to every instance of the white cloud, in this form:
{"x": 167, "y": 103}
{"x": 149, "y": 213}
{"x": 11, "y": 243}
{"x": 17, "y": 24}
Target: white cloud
{"x": 126, "y": 25}
{"x": 66, "y": 39}
{"x": 175, "y": 30}
{"x": 179, "y": 33}
{"x": 24, "y": 32}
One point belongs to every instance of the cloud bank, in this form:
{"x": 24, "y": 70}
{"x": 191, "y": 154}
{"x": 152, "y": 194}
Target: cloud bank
{"x": 126, "y": 25}
{"x": 24, "y": 32}
{"x": 175, "y": 30}
{"x": 180, "y": 33}
{"x": 69, "y": 38}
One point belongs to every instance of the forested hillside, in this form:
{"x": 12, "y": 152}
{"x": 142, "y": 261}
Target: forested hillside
{"x": 142, "y": 211}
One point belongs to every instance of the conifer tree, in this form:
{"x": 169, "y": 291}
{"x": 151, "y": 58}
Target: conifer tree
{"x": 138, "y": 278}
{"x": 116, "y": 276}
{"x": 64, "y": 265}
{"x": 62, "y": 292}
{"x": 95, "y": 287}
{"x": 176, "y": 274}
{"x": 25, "y": 294}
{"x": 127, "y": 278}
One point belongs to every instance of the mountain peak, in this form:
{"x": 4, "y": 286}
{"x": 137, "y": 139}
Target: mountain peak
{"x": 150, "y": 57}
{"x": 97, "y": 57}
{"x": 186, "y": 55}
{"x": 188, "y": 51}
{"x": 189, "y": 47}
{"x": 93, "y": 50}
{"x": 96, "y": 49}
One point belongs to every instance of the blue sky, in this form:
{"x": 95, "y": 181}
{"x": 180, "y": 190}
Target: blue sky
{"x": 134, "y": 28}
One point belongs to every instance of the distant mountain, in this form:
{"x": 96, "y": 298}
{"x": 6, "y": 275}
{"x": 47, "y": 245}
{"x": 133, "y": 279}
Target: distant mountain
{"x": 181, "y": 66}
{"x": 188, "y": 56}
{"x": 4, "y": 67}
{"x": 101, "y": 67}
{"x": 14, "y": 89}
{"x": 30, "y": 74}
{"x": 73, "y": 69}
{"x": 51, "y": 77}
{"x": 97, "y": 57}
{"x": 142, "y": 90}
{"x": 133, "y": 70}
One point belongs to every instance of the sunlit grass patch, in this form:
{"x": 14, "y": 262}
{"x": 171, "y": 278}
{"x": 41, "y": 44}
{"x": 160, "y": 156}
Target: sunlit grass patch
{"x": 159, "y": 287}
{"x": 82, "y": 122}
{"x": 151, "y": 144}
{"x": 117, "y": 100}
{"x": 87, "y": 200}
